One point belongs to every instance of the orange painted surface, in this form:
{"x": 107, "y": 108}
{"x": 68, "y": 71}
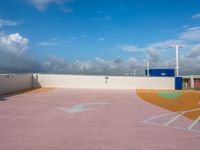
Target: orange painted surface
{"x": 187, "y": 101}
{"x": 38, "y": 90}
{"x": 30, "y": 91}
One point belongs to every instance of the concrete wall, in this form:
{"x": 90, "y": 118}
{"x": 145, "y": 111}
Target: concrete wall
{"x": 114, "y": 82}
{"x": 15, "y": 82}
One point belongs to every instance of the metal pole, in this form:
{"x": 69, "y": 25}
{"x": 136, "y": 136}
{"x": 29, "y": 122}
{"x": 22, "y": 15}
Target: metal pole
{"x": 191, "y": 81}
{"x": 177, "y": 54}
{"x": 147, "y": 68}
{"x": 177, "y": 61}
{"x": 134, "y": 72}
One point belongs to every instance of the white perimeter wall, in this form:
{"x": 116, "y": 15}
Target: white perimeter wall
{"x": 114, "y": 82}
{"x": 15, "y": 82}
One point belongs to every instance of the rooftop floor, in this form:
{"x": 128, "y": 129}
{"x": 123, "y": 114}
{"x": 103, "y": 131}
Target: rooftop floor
{"x": 88, "y": 119}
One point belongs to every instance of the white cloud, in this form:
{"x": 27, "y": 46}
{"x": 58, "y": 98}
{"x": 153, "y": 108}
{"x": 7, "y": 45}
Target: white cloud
{"x": 13, "y": 43}
{"x": 47, "y": 44}
{"x": 14, "y": 56}
{"x": 55, "y": 42}
{"x": 165, "y": 44}
{"x": 191, "y": 34}
{"x": 160, "y": 56}
{"x": 196, "y": 16}
{"x": 153, "y": 55}
{"x": 193, "y": 29}
{"x": 132, "y": 61}
{"x": 98, "y": 66}
{"x": 194, "y": 52}
{"x": 190, "y": 66}
{"x": 43, "y": 4}
{"x": 185, "y": 26}
{"x": 7, "y": 23}
{"x": 129, "y": 48}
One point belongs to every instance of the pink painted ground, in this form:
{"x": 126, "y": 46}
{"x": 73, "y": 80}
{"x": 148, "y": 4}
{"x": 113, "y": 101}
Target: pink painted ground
{"x": 35, "y": 122}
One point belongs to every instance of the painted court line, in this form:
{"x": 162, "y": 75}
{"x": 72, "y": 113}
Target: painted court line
{"x": 173, "y": 127}
{"x": 167, "y": 124}
{"x": 173, "y": 119}
{"x": 156, "y": 117}
{"x": 193, "y": 123}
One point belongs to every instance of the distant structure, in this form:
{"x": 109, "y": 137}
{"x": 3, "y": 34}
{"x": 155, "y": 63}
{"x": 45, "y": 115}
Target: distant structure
{"x": 192, "y": 81}
{"x": 160, "y": 72}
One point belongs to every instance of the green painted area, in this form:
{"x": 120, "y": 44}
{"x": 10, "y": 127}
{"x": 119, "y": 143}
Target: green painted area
{"x": 169, "y": 94}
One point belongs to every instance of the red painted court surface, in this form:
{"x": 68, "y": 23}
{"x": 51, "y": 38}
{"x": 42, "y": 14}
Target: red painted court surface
{"x": 83, "y": 119}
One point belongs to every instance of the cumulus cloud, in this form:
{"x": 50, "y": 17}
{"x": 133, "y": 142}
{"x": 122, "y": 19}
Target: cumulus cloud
{"x": 189, "y": 66}
{"x": 153, "y": 55}
{"x": 54, "y": 64}
{"x": 13, "y": 43}
{"x": 100, "y": 66}
{"x": 196, "y": 16}
{"x": 13, "y": 55}
{"x": 15, "y": 58}
{"x": 97, "y": 66}
{"x": 194, "y": 52}
{"x": 43, "y": 4}
{"x": 157, "y": 52}
{"x": 7, "y": 23}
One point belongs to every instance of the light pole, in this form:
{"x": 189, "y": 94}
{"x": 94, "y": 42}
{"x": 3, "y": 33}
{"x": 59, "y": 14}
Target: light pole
{"x": 147, "y": 68}
{"x": 177, "y": 54}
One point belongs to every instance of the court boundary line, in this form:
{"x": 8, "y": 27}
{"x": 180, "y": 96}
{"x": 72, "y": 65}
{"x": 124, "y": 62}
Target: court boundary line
{"x": 173, "y": 119}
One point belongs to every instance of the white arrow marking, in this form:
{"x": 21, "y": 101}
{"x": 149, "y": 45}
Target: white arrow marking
{"x": 81, "y": 107}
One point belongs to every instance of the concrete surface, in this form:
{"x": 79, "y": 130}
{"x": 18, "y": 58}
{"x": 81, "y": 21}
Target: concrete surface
{"x": 33, "y": 121}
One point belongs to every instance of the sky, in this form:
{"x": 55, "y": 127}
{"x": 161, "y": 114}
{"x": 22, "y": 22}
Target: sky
{"x": 100, "y": 37}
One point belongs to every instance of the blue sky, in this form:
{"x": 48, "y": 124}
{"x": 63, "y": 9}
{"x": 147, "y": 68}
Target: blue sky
{"x": 98, "y": 34}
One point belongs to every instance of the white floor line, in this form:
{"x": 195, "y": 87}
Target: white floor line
{"x": 179, "y": 114}
{"x": 173, "y": 127}
{"x": 159, "y": 116}
{"x": 173, "y": 119}
{"x": 193, "y": 123}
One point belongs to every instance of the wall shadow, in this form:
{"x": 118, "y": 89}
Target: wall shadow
{"x": 35, "y": 85}
{"x": 3, "y": 97}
